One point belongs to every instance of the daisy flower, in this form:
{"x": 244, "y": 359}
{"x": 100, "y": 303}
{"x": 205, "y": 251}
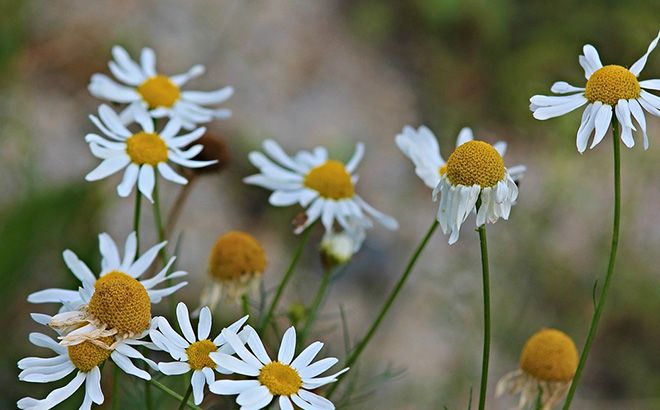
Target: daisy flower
{"x": 144, "y": 87}
{"x": 290, "y": 379}
{"x": 339, "y": 245}
{"x": 421, "y": 146}
{"x": 609, "y": 88}
{"x": 325, "y": 187}
{"x": 141, "y": 153}
{"x": 192, "y": 352}
{"x": 236, "y": 263}
{"x": 114, "y": 304}
{"x": 84, "y": 358}
{"x": 547, "y": 365}
{"x": 474, "y": 174}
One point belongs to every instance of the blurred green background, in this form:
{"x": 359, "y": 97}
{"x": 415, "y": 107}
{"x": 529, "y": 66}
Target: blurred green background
{"x": 333, "y": 73}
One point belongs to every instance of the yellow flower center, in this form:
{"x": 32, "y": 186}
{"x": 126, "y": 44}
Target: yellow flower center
{"x": 146, "y": 148}
{"x": 198, "y": 354}
{"x": 159, "y": 91}
{"x": 442, "y": 170}
{"x": 281, "y": 379}
{"x": 550, "y": 355}
{"x": 611, "y": 84}
{"x": 234, "y": 255}
{"x": 87, "y": 355}
{"x": 330, "y": 180}
{"x": 122, "y": 303}
{"x": 475, "y": 163}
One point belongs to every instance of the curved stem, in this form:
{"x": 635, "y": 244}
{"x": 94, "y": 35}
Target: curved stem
{"x": 486, "y": 284}
{"x": 285, "y": 280}
{"x": 245, "y": 304}
{"x": 316, "y": 304}
{"x": 172, "y": 393}
{"x": 136, "y": 219}
{"x": 184, "y": 401}
{"x": 388, "y": 303}
{"x": 610, "y": 268}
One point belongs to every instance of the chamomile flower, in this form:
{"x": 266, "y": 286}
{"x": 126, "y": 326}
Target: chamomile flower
{"x": 84, "y": 358}
{"x": 421, "y": 146}
{"x": 236, "y": 263}
{"x": 288, "y": 378}
{"x": 114, "y": 304}
{"x": 325, "y": 187}
{"x": 192, "y": 350}
{"x": 339, "y": 245}
{"x": 608, "y": 88}
{"x": 474, "y": 172}
{"x": 141, "y": 153}
{"x": 144, "y": 87}
{"x": 547, "y": 365}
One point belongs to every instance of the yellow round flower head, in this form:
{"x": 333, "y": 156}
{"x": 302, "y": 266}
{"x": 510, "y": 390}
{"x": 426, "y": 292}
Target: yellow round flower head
{"x": 235, "y": 255}
{"x": 122, "y": 303}
{"x": 198, "y": 354}
{"x": 146, "y": 148}
{"x": 331, "y": 180}
{"x": 475, "y": 163}
{"x": 89, "y": 354}
{"x": 280, "y": 379}
{"x": 550, "y": 355}
{"x": 159, "y": 91}
{"x": 612, "y": 83}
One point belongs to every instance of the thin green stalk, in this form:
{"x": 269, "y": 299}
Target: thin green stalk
{"x": 285, "y": 280}
{"x": 246, "y": 305}
{"x": 486, "y": 284}
{"x": 593, "y": 328}
{"x": 388, "y": 303}
{"x": 172, "y": 393}
{"x": 136, "y": 219}
{"x": 184, "y": 401}
{"x": 115, "y": 388}
{"x": 316, "y": 304}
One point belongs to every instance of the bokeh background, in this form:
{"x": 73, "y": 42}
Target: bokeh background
{"x": 333, "y": 73}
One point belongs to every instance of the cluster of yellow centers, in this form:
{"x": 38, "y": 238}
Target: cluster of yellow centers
{"x": 475, "y": 163}
{"x": 281, "y": 379}
{"x": 121, "y": 302}
{"x": 550, "y": 355}
{"x": 330, "y": 180}
{"x": 87, "y": 355}
{"x": 146, "y": 148}
{"x": 610, "y": 84}
{"x": 235, "y": 255}
{"x": 198, "y": 354}
{"x": 159, "y": 91}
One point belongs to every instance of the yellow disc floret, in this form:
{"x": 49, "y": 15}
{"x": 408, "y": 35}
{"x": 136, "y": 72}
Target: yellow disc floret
{"x": 550, "y": 355}
{"x": 121, "y": 302}
{"x": 198, "y": 354}
{"x": 330, "y": 180}
{"x": 281, "y": 379}
{"x": 610, "y": 84}
{"x": 146, "y": 148}
{"x": 442, "y": 170}
{"x": 87, "y": 355}
{"x": 475, "y": 163}
{"x": 235, "y": 255}
{"x": 159, "y": 91}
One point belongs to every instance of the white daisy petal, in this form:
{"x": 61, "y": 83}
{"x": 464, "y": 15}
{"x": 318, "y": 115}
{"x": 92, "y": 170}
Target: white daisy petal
{"x": 638, "y": 114}
{"x": 302, "y": 403}
{"x": 128, "y": 182}
{"x": 181, "y": 79}
{"x": 316, "y": 400}
{"x": 204, "y": 324}
{"x": 285, "y": 403}
{"x": 148, "y": 61}
{"x": 464, "y": 135}
{"x": 144, "y": 261}
{"x": 53, "y": 296}
{"x": 650, "y": 84}
{"x": 198, "y": 380}
{"x": 108, "y": 167}
{"x": 307, "y": 355}
{"x": 93, "y": 386}
{"x": 562, "y": 87}
{"x": 234, "y": 364}
{"x": 56, "y": 396}
{"x": 287, "y": 346}
{"x": 250, "y": 398}
{"x": 127, "y": 366}
{"x": 602, "y": 122}
{"x": 318, "y": 367}
{"x": 638, "y": 66}
{"x": 102, "y": 86}
{"x": 230, "y": 387}
{"x": 146, "y": 181}
{"x": 208, "y": 97}
{"x": 183, "y": 317}
{"x": 353, "y": 163}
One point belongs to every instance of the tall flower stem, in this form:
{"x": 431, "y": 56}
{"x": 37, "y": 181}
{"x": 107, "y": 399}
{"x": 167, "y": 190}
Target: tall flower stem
{"x": 179, "y": 202}
{"x": 486, "y": 285}
{"x": 184, "y": 401}
{"x": 600, "y": 304}
{"x": 285, "y": 280}
{"x": 245, "y": 303}
{"x": 316, "y": 304}
{"x": 353, "y": 357}
{"x": 136, "y": 219}
{"x": 172, "y": 393}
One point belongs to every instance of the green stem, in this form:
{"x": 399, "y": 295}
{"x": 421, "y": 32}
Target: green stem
{"x": 115, "y": 386}
{"x": 172, "y": 393}
{"x": 386, "y": 306}
{"x": 610, "y": 268}
{"x": 316, "y": 304}
{"x": 246, "y": 305}
{"x": 486, "y": 285}
{"x": 136, "y": 219}
{"x": 184, "y": 401}
{"x": 285, "y": 280}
